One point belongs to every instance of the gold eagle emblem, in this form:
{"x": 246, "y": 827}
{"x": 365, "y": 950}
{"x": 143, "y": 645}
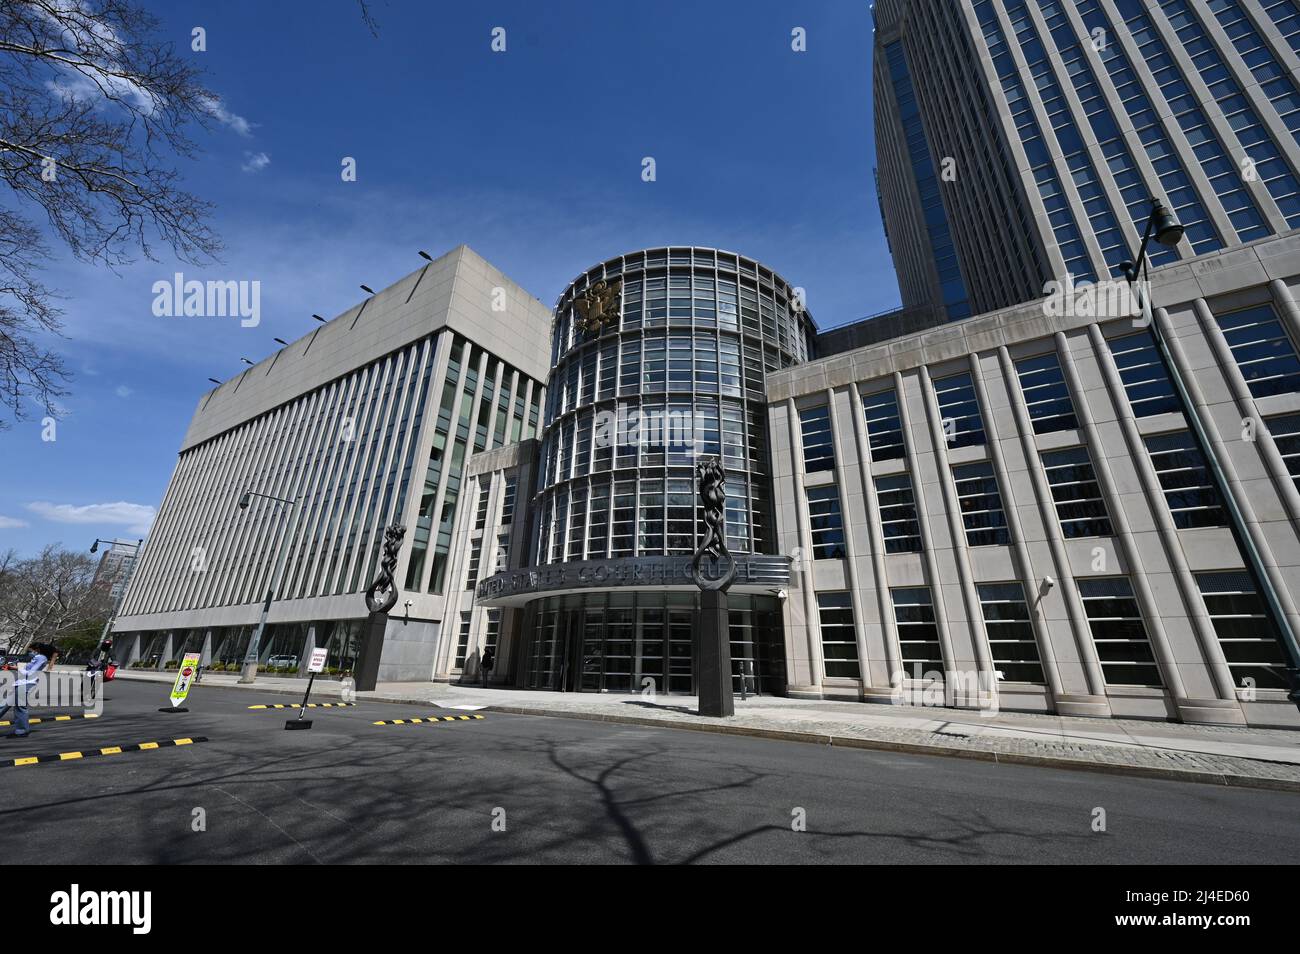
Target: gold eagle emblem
{"x": 598, "y": 305}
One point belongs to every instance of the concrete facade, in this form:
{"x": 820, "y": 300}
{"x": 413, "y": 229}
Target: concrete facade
{"x": 1020, "y": 140}
{"x": 364, "y": 422}
{"x": 1201, "y": 673}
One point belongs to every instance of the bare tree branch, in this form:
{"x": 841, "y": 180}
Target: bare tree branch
{"x": 48, "y": 595}
{"x": 95, "y": 110}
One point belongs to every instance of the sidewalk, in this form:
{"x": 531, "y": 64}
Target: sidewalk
{"x": 1224, "y": 755}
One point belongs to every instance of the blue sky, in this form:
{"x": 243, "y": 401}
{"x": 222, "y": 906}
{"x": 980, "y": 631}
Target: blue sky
{"x": 531, "y": 156}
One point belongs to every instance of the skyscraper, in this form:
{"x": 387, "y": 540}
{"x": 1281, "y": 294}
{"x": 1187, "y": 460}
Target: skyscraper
{"x": 1021, "y": 140}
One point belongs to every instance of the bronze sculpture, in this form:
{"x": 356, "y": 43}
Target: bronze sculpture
{"x": 381, "y": 596}
{"x": 713, "y": 494}
{"x": 714, "y": 631}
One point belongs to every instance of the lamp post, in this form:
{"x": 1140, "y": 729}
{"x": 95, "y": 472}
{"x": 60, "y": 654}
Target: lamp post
{"x": 249, "y": 672}
{"x": 117, "y": 602}
{"x": 1165, "y": 228}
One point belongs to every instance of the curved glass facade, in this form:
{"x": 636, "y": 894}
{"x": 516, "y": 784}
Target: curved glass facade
{"x": 674, "y": 371}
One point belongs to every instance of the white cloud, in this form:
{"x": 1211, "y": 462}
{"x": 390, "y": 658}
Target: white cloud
{"x": 123, "y": 391}
{"x": 255, "y": 162}
{"x": 10, "y": 523}
{"x": 135, "y": 517}
{"x": 224, "y": 116}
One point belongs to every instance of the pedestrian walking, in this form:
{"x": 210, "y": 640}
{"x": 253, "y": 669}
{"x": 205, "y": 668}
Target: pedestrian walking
{"x": 485, "y": 666}
{"x": 43, "y": 656}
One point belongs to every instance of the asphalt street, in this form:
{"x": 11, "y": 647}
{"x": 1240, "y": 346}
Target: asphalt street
{"x": 576, "y": 792}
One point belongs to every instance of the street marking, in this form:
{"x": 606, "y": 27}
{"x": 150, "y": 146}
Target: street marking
{"x": 426, "y": 719}
{"x": 106, "y": 750}
{"x": 310, "y": 705}
{"x": 58, "y": 718}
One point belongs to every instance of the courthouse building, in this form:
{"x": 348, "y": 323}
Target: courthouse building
{"x": 364, "y": 422}
{"x": 1002, "y": 478}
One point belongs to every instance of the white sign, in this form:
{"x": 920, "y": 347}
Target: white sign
{"x": 318, "y": 656}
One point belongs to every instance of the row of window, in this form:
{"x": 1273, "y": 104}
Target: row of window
{"x": 1240, "y": 618}
{"x": 485, "y": 403}
{"x": 686, "y": 298}
{"x": 498, "y": 560}
{"x": 1259, "y": 344}
{"x": 345, "y": 452}
{"x": 1077, "y": 496}
{"x": 653, "y": 513}
{"x": 698, "y": 363}
{"x": 653, "y": 433}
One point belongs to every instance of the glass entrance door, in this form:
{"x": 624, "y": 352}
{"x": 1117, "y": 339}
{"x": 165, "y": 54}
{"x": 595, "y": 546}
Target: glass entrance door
{"x": 681, "y": 651}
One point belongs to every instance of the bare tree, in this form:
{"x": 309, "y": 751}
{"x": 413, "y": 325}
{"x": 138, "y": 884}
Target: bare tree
{"x": 49, "y": 595}
{"x": 94, "y": 113}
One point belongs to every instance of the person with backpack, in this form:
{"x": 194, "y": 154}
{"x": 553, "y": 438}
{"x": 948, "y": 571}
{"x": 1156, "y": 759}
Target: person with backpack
{"x": 43, "y": 656}
{"x": 485, "y": 665}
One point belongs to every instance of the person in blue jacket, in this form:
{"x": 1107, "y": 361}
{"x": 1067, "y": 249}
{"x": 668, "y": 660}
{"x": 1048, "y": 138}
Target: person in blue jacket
{"x": 43, "y": 655}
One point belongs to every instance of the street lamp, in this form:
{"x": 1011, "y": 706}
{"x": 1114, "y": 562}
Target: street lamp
{"x": 117, "y": 602}
{"x": 1165, "y": 228}
{"x": 249, "y": 672}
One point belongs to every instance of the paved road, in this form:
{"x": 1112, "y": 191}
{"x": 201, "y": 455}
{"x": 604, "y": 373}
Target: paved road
{"x": 575, "y": 792}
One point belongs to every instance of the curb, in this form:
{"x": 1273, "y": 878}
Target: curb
{"x": 919, "y": 748}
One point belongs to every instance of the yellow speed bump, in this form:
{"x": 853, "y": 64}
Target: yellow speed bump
{"x": 58, "y": 718}
{"x": 424, "y": 719}
{"x": 105, "y": 750}
{"x": 310, "y": 705}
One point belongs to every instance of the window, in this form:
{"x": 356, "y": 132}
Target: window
{"x": 884, "y": 426}
{"x": 918, "y": 635}
{"x": 650, "y": 537}
{"x": 624, "y": 517}
{"x": 959, "y": 410}
{"x": 462, "y": 641}
{"x": 1079, "y": 505}
{"x": 1010, "y": 632}
{"x": 471, "y": 577}
{"x": 839, "y": 639}
{"x": 818, "y": 446}
{"x": 827, "y": 523}
{"x": 1118, "y": 632}
{"x": 508, "y": 500}
{"x": 480, "y": 513}
{"x": 1046, "y": 396}
{"x": 898, "y": 520}
{"x": 1285, "y": 429}
{"x": 981, "y": 505}
{"x": 1192, "y": 497}
{"x": 493, "y": 630}
{"x": 1262, "y": 350}
{"x": 1146, "y": 382}
{"x": 1244, "y": 628}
